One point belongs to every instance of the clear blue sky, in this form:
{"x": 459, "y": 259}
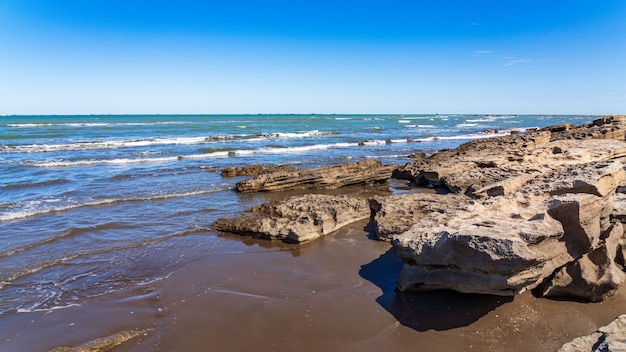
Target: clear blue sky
{"x": 124, "y": 56}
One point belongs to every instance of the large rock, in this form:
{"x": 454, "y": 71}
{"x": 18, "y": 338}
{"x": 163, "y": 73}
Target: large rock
{"x": 474, "y": 164}
{"x": 368, "y": 171}
{"x": 610, "y": 338}
{"x": 592, "y": 277}
{"x": 531, "y": 211}
{"x": 505, "y": 245}
{"x": 393, "y": 215}
{"x": 498, "y": 166}
{"x": 483, "y": 249}
{"x": 297, "y": 219}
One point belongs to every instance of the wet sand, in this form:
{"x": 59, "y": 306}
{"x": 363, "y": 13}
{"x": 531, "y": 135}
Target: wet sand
{"x": 335, "y": 294}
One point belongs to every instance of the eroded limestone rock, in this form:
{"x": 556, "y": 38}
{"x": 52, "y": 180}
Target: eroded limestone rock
{"x": 592, "y": 277}
{"x": 393, "y": 215}
{"x": 254, "y": 170}
{"x": 297, "y": 219}
{"x": 531, "y": 210}
{"x": 368, "y": 171}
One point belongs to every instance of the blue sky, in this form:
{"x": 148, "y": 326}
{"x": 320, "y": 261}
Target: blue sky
{"x": 116, "y": 57}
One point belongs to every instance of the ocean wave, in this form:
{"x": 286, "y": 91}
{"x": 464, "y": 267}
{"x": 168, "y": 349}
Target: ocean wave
{"x": 294, "y": 150}
{"x": 167, "y": 172}
{"x": 91, "y": 145}
{"x": 470, "y": 136}
{"x": 71, "y": 232}
{"x": 134, "y": 143}
{"x": 223, "y": 152}
{"x": 26, "y": 209}
{"x": 421, "y": 126}
{"x": 36, "y": 184}
{"x": 91, "y": 162}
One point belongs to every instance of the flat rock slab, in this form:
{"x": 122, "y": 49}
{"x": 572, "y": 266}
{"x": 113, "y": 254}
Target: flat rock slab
{"x": 254, "y": 170}
{"x": 297, "y": 219}
{"x": 368, "y": 171}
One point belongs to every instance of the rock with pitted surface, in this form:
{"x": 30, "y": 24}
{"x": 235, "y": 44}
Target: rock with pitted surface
{"x": 592, "y": 277}
{"x": 497, "y": 166}
{"x": 393, "y": 215}
{"x": 609, "y": 338}
{"x": 368, "y": 171}
{"x": 530, "y": 212}
{"x": 254, "y": 170}
{"x": 297, "y": 219}
{"x": 508, "y": 244}
{"x": 609, "y": 127}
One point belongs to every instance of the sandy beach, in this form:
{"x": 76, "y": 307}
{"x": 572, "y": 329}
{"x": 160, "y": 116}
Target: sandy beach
{"x": 336, "y": 293}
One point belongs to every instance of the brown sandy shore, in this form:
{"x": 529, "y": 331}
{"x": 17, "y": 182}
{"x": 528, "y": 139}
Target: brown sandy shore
{"x": 336, "y": 293}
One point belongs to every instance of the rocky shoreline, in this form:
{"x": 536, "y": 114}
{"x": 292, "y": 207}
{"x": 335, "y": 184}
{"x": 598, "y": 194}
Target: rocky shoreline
{"x": 540, "y": 211}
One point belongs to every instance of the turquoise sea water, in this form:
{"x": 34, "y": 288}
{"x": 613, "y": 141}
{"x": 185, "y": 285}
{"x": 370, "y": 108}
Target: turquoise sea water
{"x": 94, "y": 204}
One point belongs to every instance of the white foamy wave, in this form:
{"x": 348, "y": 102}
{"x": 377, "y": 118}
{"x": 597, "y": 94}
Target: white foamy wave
{"x": 305, "y": 134}
{"x": 118, "y": 144}
{"x": 35, "y": 309}
{"x": 27, "y": 209}
{"x": 124, "y": 161}
{"x": 373, "y": 142}
{"x": 404, "y": 121}
{"x": 421, "y": 126}
{"x": 464, "y": 136}
{"x": 294, "y": 150}
{"x": 467, "y": 125}
{"x": 113, "y": 144}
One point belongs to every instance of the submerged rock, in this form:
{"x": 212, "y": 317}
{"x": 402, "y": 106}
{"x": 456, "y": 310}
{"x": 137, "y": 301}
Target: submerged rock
{"x": 297, "y": 219}
{"x": 368, "y": 171}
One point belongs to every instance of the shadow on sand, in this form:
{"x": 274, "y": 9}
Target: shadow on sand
{"x": 431, "y": 310}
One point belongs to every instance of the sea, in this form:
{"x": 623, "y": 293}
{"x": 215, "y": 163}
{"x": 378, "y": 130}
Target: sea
{"x": 95, "y": 204}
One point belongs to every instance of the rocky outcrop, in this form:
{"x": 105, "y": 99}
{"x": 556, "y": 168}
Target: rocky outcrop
{"x": 255, "y": 169}
{"x": 472, "y": 165}
{"x": 529, "y": 212}
{"x": 297, "y": 219}
{"x": 609, "y": 127}
{"x": 368, "y": 171}
{"x": 610, "y": 338}
{"x": 592, "y": 277}
{"x": 499, "y": 165}
{"x": 396, "y": 214}
{"x": 509, "y": 244}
